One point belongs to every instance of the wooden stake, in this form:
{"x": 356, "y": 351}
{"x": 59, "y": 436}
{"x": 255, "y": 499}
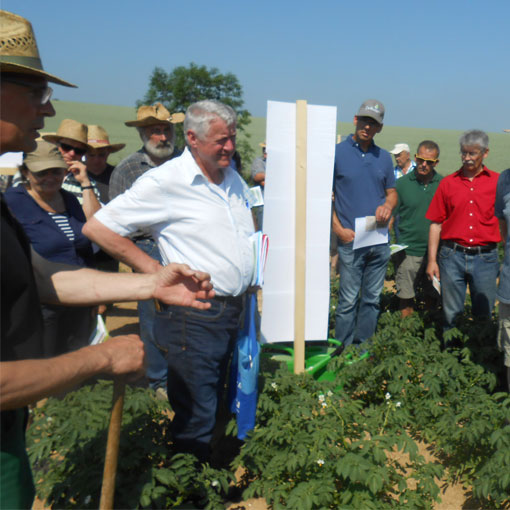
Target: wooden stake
{"x": 300, "y": 275}
{"x": 112, "y": 446}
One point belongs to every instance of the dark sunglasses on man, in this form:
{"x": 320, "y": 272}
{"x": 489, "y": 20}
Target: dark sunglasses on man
{"x": 69, "y": 148}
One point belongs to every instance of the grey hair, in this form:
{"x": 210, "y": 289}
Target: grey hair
{"x": 199, "y": 116}
{"x": 474, "y": 137}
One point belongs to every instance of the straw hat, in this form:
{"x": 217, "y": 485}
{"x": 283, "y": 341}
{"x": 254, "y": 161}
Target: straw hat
{"x": 156, "y": 114}
{"x": 70, "y": 129}
{"x": 98, "y": 139}
{"x": 18, "y": 49}
{"x": 45, "y": 156}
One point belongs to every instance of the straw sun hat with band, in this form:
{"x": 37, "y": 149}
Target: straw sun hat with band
{"x": 18, "y": 49}
{"x": 98, "y": 139}
{"x": 71, "y": 130}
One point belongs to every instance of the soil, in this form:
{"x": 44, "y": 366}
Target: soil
{"x": 122, "y": 319}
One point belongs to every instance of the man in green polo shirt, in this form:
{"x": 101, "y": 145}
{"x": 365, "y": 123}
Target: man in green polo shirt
{"x": 415, "y": 191}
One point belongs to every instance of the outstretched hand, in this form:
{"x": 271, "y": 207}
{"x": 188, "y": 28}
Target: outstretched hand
{"x": 177, "y": 284}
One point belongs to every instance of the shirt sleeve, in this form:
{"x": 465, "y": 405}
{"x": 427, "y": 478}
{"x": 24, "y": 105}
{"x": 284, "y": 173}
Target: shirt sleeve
{"x": 142, "y": 207}
{"x": 437, "y": 208}
{"x": 502, "y": 190}
{"x": 390, "y": 173}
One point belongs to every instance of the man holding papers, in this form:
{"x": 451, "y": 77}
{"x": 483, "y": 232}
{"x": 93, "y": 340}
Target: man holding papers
{"x": 197, "y": 209}
{"x": 365, "y": 196}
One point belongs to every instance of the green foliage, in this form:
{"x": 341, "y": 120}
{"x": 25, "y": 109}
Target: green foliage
{"x": 186, "y": 85}
{"x": 67, "y": 442}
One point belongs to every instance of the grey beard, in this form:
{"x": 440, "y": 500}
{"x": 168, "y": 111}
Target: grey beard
{"x": 159, "y": 152}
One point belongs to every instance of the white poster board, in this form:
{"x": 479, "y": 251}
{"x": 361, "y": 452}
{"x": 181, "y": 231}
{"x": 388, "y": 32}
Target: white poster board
{"x": 279, "y": 221}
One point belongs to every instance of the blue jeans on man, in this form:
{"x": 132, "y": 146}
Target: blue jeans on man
{"x": 457, "y": 271}
{"x": 197, "y": 345}
{"x": 156, "y": 370}
{"x": 362, "y": 273}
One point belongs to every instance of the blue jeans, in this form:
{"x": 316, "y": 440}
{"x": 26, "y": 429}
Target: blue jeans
{"x": 457, "y": 270}
{"x": 156, "y": 370}
{"x": 198, "y": 345}
{"x": 362, "y": 274}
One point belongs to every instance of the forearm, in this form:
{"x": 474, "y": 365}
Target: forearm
{"x": 503, "y": 230}
{"x": 24, "y": 382}
{"x": 391, "y": 198}
{"x": 434, "y": 238}
{"x": 90, "y": 203}
{"x": 119, "y": 247}
{"x": 74, "y": 286}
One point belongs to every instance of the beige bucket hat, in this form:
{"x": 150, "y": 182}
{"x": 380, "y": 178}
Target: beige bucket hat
{"x": 71, "y": 129}
{"x": 156, "y": 114}
{"x": 97, "y": 138}
{"x": 45, "y": 156}
{"x": 18, "y": 49}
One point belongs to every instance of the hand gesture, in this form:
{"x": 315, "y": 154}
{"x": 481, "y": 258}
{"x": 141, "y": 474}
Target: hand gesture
{"x": 79, "y": 170}
{"x": 177, "y": 284}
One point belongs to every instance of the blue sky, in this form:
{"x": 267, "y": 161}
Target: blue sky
{"x": 435, "y": 64}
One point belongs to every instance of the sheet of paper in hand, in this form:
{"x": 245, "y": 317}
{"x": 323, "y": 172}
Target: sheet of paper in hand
{"x": 367, "y": 233}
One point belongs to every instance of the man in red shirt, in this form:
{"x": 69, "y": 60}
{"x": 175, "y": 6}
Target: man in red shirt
{"x": 462, "y": 216}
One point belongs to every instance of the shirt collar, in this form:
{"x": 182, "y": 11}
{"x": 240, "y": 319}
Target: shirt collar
{"x": 354, "y": 143}
{"x": 485, "y": 171}
{"x": 194, "y": 172}
{"x": 412, "y": 176}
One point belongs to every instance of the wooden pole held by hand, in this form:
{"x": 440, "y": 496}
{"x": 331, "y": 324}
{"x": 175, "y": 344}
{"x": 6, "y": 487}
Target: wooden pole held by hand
{"x": 112, "y": 446}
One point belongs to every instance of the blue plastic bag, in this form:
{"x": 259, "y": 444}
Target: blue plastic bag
{"x": 244, "y": 374}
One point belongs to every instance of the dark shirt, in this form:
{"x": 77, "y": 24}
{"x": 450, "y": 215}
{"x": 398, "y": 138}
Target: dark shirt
{"x": 44, "y": 234}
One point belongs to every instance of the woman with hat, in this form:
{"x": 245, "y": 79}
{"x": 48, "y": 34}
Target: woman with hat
{"x": 71, "y": 140}
{"x": 96, "y": 158}
{"x": 53, "y": 219}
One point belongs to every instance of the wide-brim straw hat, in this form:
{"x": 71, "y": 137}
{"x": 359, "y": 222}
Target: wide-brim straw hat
{"x": 98, "y": 139}
{"x": 156, "y": 114}
{"x": 45, "y": 156}
{"x": 71, "y": 129}
{"x": 18, "y": 49}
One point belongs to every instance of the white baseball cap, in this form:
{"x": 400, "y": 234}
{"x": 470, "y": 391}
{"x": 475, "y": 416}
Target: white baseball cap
{"x": 400, "y": 147}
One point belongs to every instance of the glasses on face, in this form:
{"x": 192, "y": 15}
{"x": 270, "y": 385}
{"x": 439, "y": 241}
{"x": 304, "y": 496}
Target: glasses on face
{"x": 53, "y": 171}
{"x": 68, "y": 148}
{"x": 421, "y": 161}
{"x": 40, "y": 93}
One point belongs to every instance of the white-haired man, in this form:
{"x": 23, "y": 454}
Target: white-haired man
{"x": 198, "y": 210}
{"x": 27, "y": 279}
{"x": 156, "y": 127}
{"x": 404, "y": 164}
{"x": 464, "y": 233}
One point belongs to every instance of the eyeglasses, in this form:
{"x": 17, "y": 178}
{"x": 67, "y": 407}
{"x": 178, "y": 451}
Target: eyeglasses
{"x": 420, "y": 161}
{"x": 69, "y": 148}
{"x": 40, "y": 93}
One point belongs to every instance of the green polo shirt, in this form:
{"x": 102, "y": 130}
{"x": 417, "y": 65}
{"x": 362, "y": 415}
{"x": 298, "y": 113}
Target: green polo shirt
{"x": 413, "y": 201}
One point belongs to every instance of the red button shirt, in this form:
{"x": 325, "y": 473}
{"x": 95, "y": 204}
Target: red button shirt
{"x": 465, "y": 208}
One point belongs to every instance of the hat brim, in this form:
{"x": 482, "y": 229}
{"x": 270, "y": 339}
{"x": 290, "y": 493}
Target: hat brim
{"x": 114, "y": 147}
{"x": 45, "y": 164}
{"x": 54, "y": 138}
{"x": 175, "y": 118}
{"x": 7, "y": 67}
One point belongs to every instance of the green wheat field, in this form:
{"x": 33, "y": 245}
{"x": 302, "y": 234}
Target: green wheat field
{"x": 112, "y": 118}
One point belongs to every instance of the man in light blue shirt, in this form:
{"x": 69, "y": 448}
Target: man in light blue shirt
{"x": 404, "y": 163}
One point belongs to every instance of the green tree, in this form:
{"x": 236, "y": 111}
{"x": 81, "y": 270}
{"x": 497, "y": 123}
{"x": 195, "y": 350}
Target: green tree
{"x": 186, "y": 85}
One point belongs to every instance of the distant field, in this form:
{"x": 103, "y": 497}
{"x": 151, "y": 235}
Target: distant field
{"x": 112, "y": 118}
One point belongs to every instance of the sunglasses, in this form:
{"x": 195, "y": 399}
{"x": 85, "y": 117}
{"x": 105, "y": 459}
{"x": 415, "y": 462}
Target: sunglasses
{"x": 40, "y": 93}
{"x": 69, "y": 148}
{"x": 420, "y": 161}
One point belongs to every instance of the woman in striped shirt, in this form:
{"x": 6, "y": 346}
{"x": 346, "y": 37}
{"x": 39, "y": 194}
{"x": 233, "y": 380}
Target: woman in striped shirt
{"x": 53, "y": 219}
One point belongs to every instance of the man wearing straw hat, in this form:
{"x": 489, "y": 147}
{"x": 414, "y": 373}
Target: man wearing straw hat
{"x": 155, "y": 126}
{"x": 71, "y": 140}
{"x": 96, "y": 159}
{"x": 28, "y": 278}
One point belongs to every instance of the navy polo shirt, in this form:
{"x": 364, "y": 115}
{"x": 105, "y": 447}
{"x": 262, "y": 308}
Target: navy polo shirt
{"x": 360, "y": 180}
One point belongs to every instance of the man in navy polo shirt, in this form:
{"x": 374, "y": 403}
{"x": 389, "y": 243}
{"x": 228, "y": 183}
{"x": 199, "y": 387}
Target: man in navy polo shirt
{"x": 363, "y": 185}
